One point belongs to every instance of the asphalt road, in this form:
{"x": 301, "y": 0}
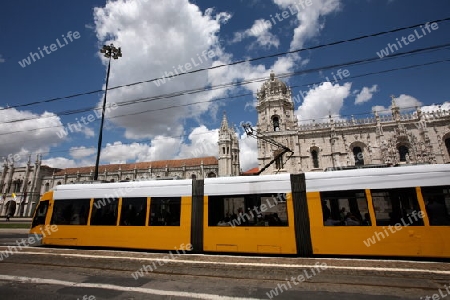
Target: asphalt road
{"x": 46, "y": 273}
{"x": 10, "y": 236}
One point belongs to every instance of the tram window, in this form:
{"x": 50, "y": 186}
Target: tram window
{"x": 248, "y": 210}
{"x": 133, "y": 211}
{"x": 165, "y": 211}
{"x": 396, "y": 207}
{"x": 41, "y": 213}
{"x": 437, "y": 200}
{"x": 70, "y": 212}
{"x": 342, "y": 208}
{"x": 104, "y": 212}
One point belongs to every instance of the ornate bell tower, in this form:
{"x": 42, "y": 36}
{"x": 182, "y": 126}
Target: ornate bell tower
{"x": 277, "y": 121}
{"x": 228, "y": 150}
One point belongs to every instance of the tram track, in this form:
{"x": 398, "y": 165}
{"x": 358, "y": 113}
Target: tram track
{"x": 421, "y": 282}
{"x": 329, "y": 285}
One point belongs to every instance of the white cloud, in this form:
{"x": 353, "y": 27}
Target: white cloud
{"x": 434, "y": 107}
{"x": 248, "y": 153}
{"x": 381, "y": 109}
{"x": 404, "y": 102}
{"x": 23, "y": 138}
{"x": 160, "y": 148}
{"x": 308, "y": 18}
{"x": 407, "y": 102}
{"x": 366, "y": 94}
{"x": 80, "y": 152}
{"x": 259, "y": 30}
{"x": 322, "y": 101}
{"x": 203, "y": 142}
{"x": 60, "y": 162}
{"x": 157, "y": 38}
{"x": 2, "y": 60}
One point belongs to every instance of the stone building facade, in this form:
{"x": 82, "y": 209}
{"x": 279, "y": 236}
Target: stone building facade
{"x": 21, "y": 187}
{"x": 398, "y": 138}
{"x": 228, "y": 150}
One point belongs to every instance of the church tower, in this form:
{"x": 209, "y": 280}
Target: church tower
{"x": 276, "y": 120}
{"x": 228, "y": 150}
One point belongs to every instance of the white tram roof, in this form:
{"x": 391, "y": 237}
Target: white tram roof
{"x": 358, "y": 179}
{"x": 154, "y": 188}
{"x": 379, "y": 178}
{"x": 370, "y": 178}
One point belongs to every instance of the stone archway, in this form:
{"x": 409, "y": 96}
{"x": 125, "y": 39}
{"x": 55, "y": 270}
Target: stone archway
{"x": 10, "y": 208}
{"x": 446, "y": 140}
{"x": 359, "y": 153}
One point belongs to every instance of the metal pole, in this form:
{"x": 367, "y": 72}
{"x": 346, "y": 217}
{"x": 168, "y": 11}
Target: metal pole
{"x": 99, "y": 147}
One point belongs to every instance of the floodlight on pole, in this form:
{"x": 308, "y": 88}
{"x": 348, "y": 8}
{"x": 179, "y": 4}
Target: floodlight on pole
{"x": 109, "y": 51}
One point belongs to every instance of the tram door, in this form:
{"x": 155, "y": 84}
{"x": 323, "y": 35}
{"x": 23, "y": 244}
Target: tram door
{"x": 41, "y": 214}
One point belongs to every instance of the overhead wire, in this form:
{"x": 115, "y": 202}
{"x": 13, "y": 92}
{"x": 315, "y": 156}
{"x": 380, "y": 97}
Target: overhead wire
{"x": 242, "y": 95}
{"x": 240, "y": 83}
{"x": 232, "y": 63}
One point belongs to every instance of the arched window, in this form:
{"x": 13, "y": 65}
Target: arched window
{"x": 276, "y": 123}
{"x": 58, "y": 183}
{"x": 193, "y": 176}
{"x": 47, "y": 187}
{"x": 447, "y": 145}
{"x": 16, "y": 186}
{"x": 279, "y": 160}
{"x": 359, "y": 156}
{"x": 211, "y": 175}
{"x": 403, "y": 150}
{"x": 315, "y": 159}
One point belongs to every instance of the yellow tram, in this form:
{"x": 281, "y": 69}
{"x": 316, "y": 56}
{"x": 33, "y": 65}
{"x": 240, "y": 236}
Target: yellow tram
{"x": 397, "y": 211}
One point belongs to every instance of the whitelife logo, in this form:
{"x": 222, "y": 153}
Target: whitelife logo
{"x": 53, "y": 47}
{"x": 391, "y": 48}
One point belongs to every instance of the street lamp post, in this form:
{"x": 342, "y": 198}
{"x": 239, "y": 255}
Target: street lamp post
{"x": 109, "y": 51}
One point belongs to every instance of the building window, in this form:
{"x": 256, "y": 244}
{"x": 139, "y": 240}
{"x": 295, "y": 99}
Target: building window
{"x": 223, "y": 150}
{"x": 16, "y": 186}
{"x": 276, "y": 123}
{"x": 403, "y": 150}
{"x": 315, "y": 159}
{"x": 279, "y": 160}
{"x": 359, "y": 156}
{"x": 211, "y": 175}
{"x": 193, "y": 176}
{"x": 447, "y": 145}
{"x": 47, "y": 187}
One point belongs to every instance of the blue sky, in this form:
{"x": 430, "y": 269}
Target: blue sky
{"x": 157, "y": 37}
